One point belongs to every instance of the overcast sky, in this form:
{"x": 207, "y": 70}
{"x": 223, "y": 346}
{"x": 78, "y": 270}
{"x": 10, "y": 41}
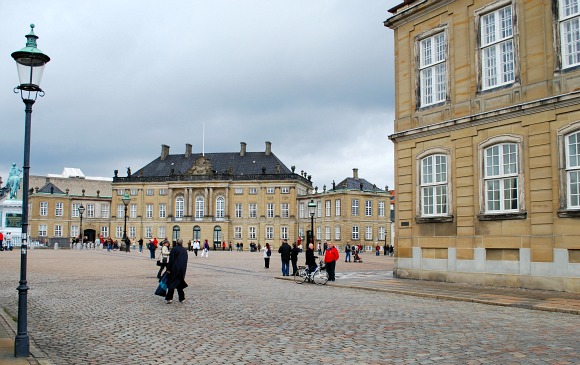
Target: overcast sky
{"x": 314, "y": 77}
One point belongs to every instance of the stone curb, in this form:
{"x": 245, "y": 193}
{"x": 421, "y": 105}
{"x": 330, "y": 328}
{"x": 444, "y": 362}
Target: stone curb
{"x": 529, "y": 306}
{"x": 35, "y": 353}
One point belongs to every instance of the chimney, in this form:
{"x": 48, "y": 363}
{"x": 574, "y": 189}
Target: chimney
{"x": 243, "y": 149}
{"x": 164, "y": 151}
{"x": 187, "y": 150}
{"x": 355, "y": 173}
{"x": 268, "y": 148}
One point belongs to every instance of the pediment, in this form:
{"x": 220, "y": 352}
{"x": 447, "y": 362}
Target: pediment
{"x": 201, "y": 166}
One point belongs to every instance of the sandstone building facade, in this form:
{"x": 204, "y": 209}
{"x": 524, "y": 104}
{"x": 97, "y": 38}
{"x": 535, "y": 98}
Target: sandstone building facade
{"x": 487, "y": 141}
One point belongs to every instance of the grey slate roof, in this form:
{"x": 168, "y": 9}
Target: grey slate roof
{"x": 223, "y": 162}
{"x": 351, "y": 183}
{"x": 47, "y": 189}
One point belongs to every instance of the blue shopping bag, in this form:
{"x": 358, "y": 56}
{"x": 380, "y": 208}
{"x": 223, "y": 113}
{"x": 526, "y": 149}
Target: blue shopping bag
{"x": 162, "y": 288}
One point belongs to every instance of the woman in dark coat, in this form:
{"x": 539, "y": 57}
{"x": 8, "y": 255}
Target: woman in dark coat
{"x": 294, "y": 258}
{"x": 176, "y": 268}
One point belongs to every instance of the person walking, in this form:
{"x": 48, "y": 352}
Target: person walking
{"x": 294, "y": 258}
{"x": 205, "y": 249}
{"x": 140, "y": 242}
{"x": 378, "y": 250}
{"x": 152, "y": 247}
{"x": 163, "y": 258}
{"x": 347, "y": 252}
{"x": 176, "y": 269}
{"x": 319, "y": 249}
{"x": 267, "y": 254}
{"x": 284, "y": 251}
{"x": 330, "y": 258}
{"x": 1, "y": 241}
{"x": 195, "y": 247}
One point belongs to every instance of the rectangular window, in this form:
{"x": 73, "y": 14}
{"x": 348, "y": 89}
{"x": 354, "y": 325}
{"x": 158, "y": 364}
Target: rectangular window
{"x": 239, "y": 191}
{"x": 368, "y": 208}
{"x": 42, "y": 230}
{"x": 327, "y": 208}
{"x": 132, "y": 232}
{"x": 381, "y": 233}
{"x": 74, "y": 231}
{"x": 337, "y": 233}
{"x": 318, "y": 232}
{"x": 284, "y": 232}
{"x": 90, "y": 211}
{"x": 270, "y": 190}
{"x": 120, "y": 211}
{"x": 434, "y": 185}
{"x": 301, "y": 209}
{"x": 270, "y": 210}
{"x": 253, "y": 191}
{"x": 381, "y": 209}
{"x": 120, "y": 192}
{"x": 238, "y": 233}
{"x": 569, "y": 18}
{"x": 57, "y": 230}
{"x": 285, "y": 190}
{"x": 149, "y": 211}
{"x": 252, "y": 233}
{"x": 149, "y": 192}
{"x": 105, "y": 211}
{"x": 105, "y": 231}
{"x": 59, "y": 209}
{"x": 43, "y": 209}
{"x": 179, "y": 206}
{"x": 285, "y": 210}
{"x": 319, "y": 209}
{"x": 148, "y": 232}
{"x": 238, "y": 210}
{"x": 354, "y": 210}
{"x": 337, "y": 207}
{"x": 253, "y": 210}
{"x": 501, "y": 178}
{"x": 199, "y": 207}
{"x": 269, "y": 233}
{"x": 327, "y": 233}
{"x": 162, "y": 211}
{"x": 75, "y": 210}
{"x": 355, "y": 232}
{"x": 368, "y": 233}
{"x": 162, "y": 191}
{"x": 497, "y": 48}
{"x": 119, "y": 232}
{"x": 433, "y": 70}
{"x": 161, "y": 232}
{"x": 573, "y": 169}
{"x": 133, "y": 192}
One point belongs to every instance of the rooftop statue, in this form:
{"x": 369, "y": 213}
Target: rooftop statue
{"x": 13, "y": 182}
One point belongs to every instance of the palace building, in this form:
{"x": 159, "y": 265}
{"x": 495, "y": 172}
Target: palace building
{"x": 222, "y": 197}
{"x": 487, "y": 142}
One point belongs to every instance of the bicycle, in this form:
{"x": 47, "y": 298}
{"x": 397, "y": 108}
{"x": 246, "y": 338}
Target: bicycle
{"x": 318, "y": 276}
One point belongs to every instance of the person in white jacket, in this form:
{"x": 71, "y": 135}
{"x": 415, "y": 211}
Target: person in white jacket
{"x": 163, "y": 258}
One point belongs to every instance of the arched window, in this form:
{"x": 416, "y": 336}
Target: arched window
{"x": 434, "y": 202}
{"x": 217, "y": 235}
{"x": 179, "y": 207}
{"x": 219, "y": 207}
{"x": 501, "y": 177}
{"x": 196, "y": 233}
{"x": 199, "y": 207}
{"x": 176, "y": 233}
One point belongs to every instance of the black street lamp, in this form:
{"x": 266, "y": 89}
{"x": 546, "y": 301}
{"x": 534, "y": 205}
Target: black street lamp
{"x": 81, "y": 210}
{"x": 126, "y": 200}
{"x": 312, "y": 209}
{"x": 30, "y": 62}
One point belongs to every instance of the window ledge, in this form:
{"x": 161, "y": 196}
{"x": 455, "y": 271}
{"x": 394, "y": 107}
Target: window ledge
{"x": 502, "y": 216}
{"x": 565, "y": 213}
{"x": 441, "y": 219}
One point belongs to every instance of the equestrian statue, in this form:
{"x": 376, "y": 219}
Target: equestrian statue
{"x": 13, "y": 182}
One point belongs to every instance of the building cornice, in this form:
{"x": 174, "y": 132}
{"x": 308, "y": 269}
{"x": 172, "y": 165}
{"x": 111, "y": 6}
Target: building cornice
{"x": 533, "y": 107}
{"x": 413, "y": 12}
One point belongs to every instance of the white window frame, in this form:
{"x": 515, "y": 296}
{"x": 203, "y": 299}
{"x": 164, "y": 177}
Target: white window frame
{"x": 432, "y": 53}
{"x": 327, "y": 233}
{"x": 382, "y": 233}
{"x": 105, "y": 231}
{"x": 239, "y": 191}
{"x": 251, "y": 233}
{"x": 148, "y": 210}
{"x": 150, "y": 192}
{"x": 90, "y": 211}
{"x": 327, "y": 208}
{"x": 270, "y": 210}
{"x": 301, "y": 210}
{"x": 120, "y": 211}
{"x": 434, "y": 184}
{"x": 239, "y": 210}
{"x": 119, "y": 232}
{"x": 43, "y": 210}
{"x": 285, "y": 190}
{"x": 162, "y": 192}
{"x": 270, "y": 190}
{"x": 368, "y": 233}
{"x": 497, "y": 45}
{"x": 59, "y": 209}
{"x": 355, "y": 233}
{"x": 285, "y": 210}
{"x": 75, "y": 210}
{"x": 354, "y": 207}
{"x": 501, "y": 196}
{"x": 569, "y": 32}
{"x": 238, "y": 232}
{"x": 319, "y": 209}
{"x": 381, "y": 208}
{"x": 253, "y": 210}
{"x": 132, "y": 232}
{"x": 368, "y": 208}
{"x": 42, "y": 230}
{"x": 269, "y": 232}
{"x": 148, "y": 232}
{"x": 162, "y": 210}
{"x": 161, "y": 232}
{"x": 133, "y": 192}
{"x": 253, "y": 191}
{"x": 284, "y": 232}
{"x": 105, "y": 211}
{"x": 199, "y": 207}
{"x": 220, "y": 204}
{"x": 179, "y": 207}
{"x": 57, "y": 230}
{"x": 337, "y": 207}
{"x": 337, "y": 233}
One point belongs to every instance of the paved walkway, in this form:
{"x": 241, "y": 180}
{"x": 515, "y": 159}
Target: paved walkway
{"x": 370, "y": 276}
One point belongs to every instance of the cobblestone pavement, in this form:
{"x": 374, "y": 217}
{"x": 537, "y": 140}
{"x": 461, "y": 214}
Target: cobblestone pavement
{"x": 89, "y": 307}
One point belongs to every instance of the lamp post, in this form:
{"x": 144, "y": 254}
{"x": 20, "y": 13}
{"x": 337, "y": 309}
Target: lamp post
{"x": 30, "y": 62}
{"x": 312, "y": 209}
{"x": 126, "y": 200}
{"x": 81, "y": 212}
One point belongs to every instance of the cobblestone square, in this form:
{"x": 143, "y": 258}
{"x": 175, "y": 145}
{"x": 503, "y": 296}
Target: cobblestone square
{"x": 94, "y": 307}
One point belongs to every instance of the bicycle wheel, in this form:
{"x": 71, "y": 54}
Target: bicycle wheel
{"x": 301, "y": 276}
{"x": 321, "y": 277}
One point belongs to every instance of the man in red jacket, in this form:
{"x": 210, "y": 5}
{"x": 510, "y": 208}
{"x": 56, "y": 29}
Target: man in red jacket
{"x": 330, "y": 258}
